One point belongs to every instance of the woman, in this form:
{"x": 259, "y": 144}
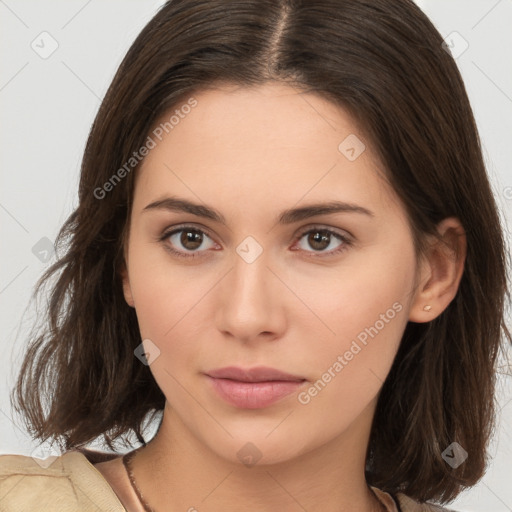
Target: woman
{"x": 276, "y": 246}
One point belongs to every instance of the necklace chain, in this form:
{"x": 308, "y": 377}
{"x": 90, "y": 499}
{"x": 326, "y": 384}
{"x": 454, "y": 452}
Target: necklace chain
{"x": 129, "y": 456}
{"x": 126, "y": 461}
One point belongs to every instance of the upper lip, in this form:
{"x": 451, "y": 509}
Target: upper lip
{"x": 257, "y": 374}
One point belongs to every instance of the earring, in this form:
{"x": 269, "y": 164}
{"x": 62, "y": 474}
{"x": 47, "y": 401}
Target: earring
{"x": 428, "y": 307}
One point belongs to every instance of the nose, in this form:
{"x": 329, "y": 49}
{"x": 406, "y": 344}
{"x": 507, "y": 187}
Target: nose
{"x": 251, "y": 301}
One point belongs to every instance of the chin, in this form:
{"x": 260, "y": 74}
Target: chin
{"x": 256, "y": 447}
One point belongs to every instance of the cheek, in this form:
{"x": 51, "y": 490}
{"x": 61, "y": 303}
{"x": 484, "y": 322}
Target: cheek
{"x": 350, "y": 298}
{"x": 351, "y": 367}
{"x": 169, "y": 304}
{"x": 163, "y": 292}
{"x": 365, "y": 305}
{"x": 165, "y": 313}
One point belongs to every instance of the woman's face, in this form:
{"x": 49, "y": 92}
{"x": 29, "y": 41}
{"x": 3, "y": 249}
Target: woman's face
{"x": 263, "y": 282}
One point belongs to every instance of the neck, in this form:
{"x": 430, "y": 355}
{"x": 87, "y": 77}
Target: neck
{"x": 177, "y": 471}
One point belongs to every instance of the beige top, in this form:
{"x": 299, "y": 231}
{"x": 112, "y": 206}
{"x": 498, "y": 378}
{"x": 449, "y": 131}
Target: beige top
{"x": 72, "y": 483}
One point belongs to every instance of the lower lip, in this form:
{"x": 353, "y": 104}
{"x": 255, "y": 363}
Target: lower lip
{"x": 253, "y": 395}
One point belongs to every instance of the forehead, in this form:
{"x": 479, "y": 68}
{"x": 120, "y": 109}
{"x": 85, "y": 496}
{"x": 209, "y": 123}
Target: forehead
{"x": 259, "y": 146}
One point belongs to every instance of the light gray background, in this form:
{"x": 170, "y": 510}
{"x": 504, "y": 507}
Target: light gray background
{"x": 48, "y": 105}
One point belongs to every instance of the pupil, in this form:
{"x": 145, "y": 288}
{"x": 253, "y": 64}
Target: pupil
{"x": 319, "y": 240}
{"x": 192, "y": 237}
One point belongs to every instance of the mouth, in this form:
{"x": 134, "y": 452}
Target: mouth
{"x": 256, "y": 374}
{"x": 254, "y": 388}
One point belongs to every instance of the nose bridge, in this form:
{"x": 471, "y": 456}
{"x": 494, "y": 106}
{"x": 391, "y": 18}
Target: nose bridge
{"x": 250, "y": 299}
{"x": 250, "y": 281}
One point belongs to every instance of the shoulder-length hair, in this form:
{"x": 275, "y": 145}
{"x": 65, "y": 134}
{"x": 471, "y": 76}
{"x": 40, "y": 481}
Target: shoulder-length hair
{"x": 385, "y": 63}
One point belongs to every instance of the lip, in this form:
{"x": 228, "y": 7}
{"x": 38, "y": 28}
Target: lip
{"x": 253, "y": 388}
{"x": 256, "y": 374}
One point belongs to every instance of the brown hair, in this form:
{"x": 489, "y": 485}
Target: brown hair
{"x": 384, "y": 63}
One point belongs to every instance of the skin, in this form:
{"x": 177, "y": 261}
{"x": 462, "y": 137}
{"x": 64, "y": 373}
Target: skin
{"x": 251, "y": 153}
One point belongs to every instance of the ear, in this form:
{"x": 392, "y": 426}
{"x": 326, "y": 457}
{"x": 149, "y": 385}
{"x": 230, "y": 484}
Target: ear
{"x": 127, "y": 291}
{"x": 440, "y": 272}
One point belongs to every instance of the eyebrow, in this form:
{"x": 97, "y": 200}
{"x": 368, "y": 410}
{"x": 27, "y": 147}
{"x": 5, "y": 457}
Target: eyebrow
{"x": 288, "y": 216}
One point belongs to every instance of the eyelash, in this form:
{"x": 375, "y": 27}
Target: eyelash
{"x": 313, "y": 254}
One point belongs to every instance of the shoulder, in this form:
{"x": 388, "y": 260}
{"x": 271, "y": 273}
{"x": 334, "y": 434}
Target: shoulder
{"x": 407, "y": 504}
{"x": 67, "y": 482}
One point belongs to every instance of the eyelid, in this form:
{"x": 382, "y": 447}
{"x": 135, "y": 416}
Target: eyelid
{"x": 167, "y": 232}
{"x": 181, "y": 227}
{"x": 322, "y": 227}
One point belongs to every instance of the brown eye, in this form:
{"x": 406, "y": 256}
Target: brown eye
{"x": 321, "y": 239}
{"x": 191, "y": 240}
{"x": 187, "y": 242}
